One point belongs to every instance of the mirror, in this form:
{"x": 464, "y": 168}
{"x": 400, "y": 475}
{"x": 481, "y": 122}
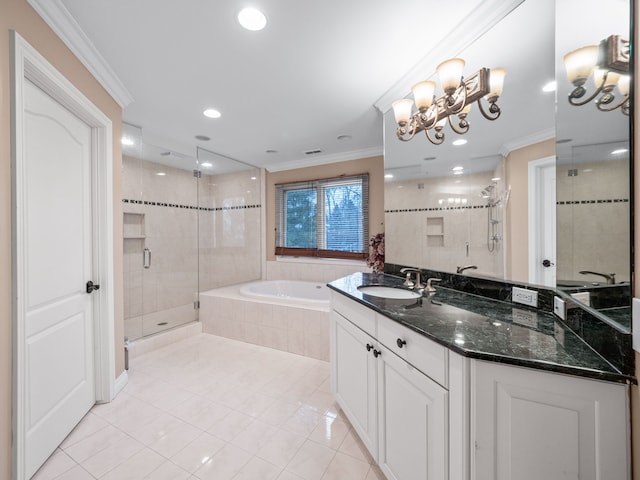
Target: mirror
{"x": 478, "y": 215}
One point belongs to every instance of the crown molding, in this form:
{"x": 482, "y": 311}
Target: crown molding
{"x": 481, "y": 19}
{"x": 325, "y": 159}
{"x": 56, "y": 15}
{"x": 527, "y": 140}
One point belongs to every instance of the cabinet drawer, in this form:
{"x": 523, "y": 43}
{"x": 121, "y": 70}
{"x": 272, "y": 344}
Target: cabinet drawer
{"x": 359, "y": 315}
{"x": 426, "y": 355}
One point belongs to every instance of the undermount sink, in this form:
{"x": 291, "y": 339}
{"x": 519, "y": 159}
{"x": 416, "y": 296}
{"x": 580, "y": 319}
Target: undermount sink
{"x": 388, "y": 292}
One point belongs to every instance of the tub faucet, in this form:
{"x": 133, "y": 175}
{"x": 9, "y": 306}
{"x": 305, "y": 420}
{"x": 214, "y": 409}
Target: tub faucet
{"x": 468, "y": 267}
{"x": 611, "y": 277}
{"x": 410, "y": 283}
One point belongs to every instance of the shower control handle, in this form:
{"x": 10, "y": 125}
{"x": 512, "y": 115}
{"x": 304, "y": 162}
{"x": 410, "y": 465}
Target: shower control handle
{"x": 146, "y": 258}
{"x": 92, "y": 286}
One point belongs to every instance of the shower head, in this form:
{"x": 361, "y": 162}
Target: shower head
{"x": 486, "y": 193}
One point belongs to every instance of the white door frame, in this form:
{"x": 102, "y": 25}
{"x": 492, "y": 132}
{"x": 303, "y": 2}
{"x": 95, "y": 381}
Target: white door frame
{"x": 535, "y": 189}
{"x": 28, "y": 64}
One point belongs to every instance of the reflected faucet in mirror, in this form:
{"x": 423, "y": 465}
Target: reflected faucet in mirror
{"x": 610, "y": 277}
{"x": 467, "y": 267}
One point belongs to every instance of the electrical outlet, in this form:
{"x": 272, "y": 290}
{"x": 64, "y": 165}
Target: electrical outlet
{"x": 582, "y": 297}
{"x": 524, "y": 317}
{"x": 559, "y": 308}
{"x": 524, "y": 296}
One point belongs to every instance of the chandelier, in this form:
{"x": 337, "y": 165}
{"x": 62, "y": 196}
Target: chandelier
{"x": 608, "y": 64}
{"x": 453, "y": 106}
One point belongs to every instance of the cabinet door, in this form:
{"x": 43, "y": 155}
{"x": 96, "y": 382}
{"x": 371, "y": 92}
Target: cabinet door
{"x": 531, "y": 425}
{"x": 412, "y": 422}
{"x": 353, "y": 368}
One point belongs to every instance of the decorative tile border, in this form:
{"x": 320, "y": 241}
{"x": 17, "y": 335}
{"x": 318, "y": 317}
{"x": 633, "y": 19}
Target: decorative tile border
{"x": 589, "y": 202}
{"x": 437, "y": 209}
{"x": 189, "y": 207}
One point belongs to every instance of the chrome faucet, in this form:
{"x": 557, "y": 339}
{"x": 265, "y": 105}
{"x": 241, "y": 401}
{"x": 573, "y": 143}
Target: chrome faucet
{"x": 468, "y": 267}
{"x": 430, "y": 288}
{"x": 611, "y": 277}
{"x": 410, "y": 283}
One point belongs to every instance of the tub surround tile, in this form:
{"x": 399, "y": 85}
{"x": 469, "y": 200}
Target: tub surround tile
{"x": 491, "y": 330}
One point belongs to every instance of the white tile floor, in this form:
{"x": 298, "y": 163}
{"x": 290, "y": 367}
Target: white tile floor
{"x": 209, "y": 407}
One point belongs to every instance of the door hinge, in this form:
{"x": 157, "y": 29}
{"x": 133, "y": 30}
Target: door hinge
{"x": 197, "y": 173}
{"x": 196, "y": 305}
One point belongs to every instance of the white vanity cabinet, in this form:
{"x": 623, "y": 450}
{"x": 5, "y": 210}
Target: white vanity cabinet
{"x": 400, "y": 413}
{"x": 428, "y": 413}
{"x": 531, "y": 424}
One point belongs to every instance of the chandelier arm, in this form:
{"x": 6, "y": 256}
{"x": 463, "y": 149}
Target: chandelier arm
{"x": 409, "y": 129}
{"x": 602, "y": 108}
{"x": 579, "y": 92}
{"x": 439, "y": 137}
{"x": 494, "y": 110}
{"x": 462, "y": 88}
{"x": 463, "y": 126}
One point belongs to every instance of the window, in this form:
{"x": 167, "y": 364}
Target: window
{"x": 323, "y": 218}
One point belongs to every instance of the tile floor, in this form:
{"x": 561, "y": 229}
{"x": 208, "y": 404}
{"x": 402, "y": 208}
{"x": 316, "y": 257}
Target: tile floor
{"x": 209, "y": 408}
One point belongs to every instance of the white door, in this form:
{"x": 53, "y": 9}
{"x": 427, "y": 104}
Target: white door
{"x": 542, "y": 222}
{"x": 57, "y": 264}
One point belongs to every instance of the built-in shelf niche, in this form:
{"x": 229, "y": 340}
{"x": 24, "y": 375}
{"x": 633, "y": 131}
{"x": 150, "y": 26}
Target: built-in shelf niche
{"x": 133, "y": 226}
{"x": 435, "y": 231}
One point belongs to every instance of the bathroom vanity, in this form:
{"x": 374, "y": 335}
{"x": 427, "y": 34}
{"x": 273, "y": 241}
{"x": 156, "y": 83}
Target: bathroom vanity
{"x": 456, "y": 386}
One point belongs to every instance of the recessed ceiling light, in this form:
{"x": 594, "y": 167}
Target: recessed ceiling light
{"x": 458, "y": 168}
{"x": 127, "y": 141}
{"x": 206, "y": 164}
{"x": 458, "y": 142}
{"x": 619, "y": 151}
{"x": 252, "y": 19}
{"x": 254, "y": 178}
{"x": 495, "y": 179}
{"x": 550, "y": 87}
{"x": 459, "y": 172}
{"x": 203, "y": 138}
{"x": 388, "y": 175}
{"x": 161, "y": 174}
{"x": 212, "y": 113}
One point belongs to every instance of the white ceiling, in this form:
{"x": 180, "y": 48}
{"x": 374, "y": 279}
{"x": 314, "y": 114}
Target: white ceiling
{"x": 319, "y": 70}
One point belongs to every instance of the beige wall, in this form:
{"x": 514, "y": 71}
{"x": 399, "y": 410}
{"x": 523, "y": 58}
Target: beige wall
{"x": 516, "y": 217}
{"x": 374, "y": 166}
{"x": 19, "y": 16}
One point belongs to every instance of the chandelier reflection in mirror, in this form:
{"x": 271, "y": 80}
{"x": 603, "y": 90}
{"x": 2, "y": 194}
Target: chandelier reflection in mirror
{"x": 453, "y": 106}
{"x": 608, "y": 64}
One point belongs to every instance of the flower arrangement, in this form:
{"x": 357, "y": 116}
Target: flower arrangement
{"x": 376, "y": 253}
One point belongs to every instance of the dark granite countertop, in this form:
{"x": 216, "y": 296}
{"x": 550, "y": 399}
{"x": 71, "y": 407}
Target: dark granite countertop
{"x": 486, "y": 329}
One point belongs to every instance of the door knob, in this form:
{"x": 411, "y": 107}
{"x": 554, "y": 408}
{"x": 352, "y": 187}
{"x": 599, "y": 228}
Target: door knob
{"x": 92, "y": 286}
{"x": 547, "y": 263}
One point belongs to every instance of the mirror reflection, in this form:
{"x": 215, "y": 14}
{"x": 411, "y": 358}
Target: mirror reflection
{"x": 489, "y": 207}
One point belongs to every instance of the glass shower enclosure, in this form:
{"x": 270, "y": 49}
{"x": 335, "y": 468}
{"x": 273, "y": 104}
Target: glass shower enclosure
{"x": 190, "y": 224}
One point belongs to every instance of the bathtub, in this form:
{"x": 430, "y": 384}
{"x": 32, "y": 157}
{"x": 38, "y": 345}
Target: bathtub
{"x": 295, "y": 292}
{"x": 286, "y": 315}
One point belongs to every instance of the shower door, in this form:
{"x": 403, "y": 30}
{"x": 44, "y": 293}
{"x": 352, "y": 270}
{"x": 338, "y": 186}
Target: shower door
{"x": 160, "y": 204}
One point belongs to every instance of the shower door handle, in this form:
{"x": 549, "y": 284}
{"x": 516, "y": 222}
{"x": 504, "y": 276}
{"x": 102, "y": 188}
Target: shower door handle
{"x": 146, "y": 258}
